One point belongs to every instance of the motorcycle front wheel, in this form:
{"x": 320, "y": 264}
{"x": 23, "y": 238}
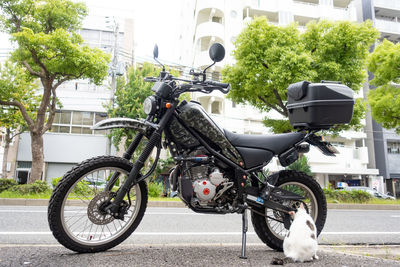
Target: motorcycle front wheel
{"x": 269, "y": 225}
{"x": 76, "y": 215}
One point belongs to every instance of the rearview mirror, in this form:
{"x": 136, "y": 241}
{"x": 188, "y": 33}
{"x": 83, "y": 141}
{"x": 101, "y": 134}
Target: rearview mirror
{"x": 155, "y": 51}
{"x": 217, "y": 52}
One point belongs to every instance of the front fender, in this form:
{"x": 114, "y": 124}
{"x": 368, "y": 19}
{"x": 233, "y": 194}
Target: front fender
{"x": 137, "y": 125}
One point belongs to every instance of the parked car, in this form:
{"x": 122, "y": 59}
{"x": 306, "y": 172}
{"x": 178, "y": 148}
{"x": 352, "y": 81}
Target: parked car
{"x": 369, "y": 190}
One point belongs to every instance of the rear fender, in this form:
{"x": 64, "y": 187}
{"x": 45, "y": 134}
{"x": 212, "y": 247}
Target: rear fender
{"x": 137, "y": 125}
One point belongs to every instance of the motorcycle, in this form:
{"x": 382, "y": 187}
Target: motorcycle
{"x": 216, "y": 171}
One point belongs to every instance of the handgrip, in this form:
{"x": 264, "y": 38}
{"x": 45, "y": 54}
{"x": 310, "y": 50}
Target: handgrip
{"x": 223, "y": 85}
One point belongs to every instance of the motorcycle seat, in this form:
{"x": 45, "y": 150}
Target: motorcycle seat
{"x": 277, "y": 143}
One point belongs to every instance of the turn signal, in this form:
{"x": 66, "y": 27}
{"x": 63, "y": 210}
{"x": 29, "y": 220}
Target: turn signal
{"x": 168, "y": 105}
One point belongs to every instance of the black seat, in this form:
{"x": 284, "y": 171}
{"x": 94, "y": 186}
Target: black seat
{"x": 277, "y": 143}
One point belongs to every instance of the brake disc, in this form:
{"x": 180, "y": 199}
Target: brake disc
{"x": 95, "y": 214}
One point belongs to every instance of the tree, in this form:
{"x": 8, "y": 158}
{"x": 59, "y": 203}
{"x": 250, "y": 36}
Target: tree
{"x": 269, "y": 58}
{"x": 15, "y": 82}
{"x": 129, "y": 97}
{"x": 384, "y": 63}
{"x": 51, "y": 51}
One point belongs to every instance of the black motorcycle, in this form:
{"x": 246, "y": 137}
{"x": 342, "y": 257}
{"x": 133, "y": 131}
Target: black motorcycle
{"x": 217, "y": 171}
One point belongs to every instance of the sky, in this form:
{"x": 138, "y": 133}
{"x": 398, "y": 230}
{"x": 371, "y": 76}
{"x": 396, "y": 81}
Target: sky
{"x": 155, "y": 21}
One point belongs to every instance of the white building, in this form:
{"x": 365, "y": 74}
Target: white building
{"x": 221, "y": 21}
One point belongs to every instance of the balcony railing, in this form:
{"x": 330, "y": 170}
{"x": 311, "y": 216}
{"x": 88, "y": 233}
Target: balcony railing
{"x": 210, "y": 29}
{"x": 389, "y": 4}
{"x": 387, "y": 26}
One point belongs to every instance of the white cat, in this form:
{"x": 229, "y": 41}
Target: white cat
{"x": 300, "y": 243}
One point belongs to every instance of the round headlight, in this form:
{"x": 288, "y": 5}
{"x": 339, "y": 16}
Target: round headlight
{"x": 149, "y": 105}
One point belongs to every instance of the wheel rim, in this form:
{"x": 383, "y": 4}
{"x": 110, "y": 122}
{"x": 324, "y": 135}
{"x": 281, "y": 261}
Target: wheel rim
{"x": 79, "y": 217}
{"x": 277, "y": 228}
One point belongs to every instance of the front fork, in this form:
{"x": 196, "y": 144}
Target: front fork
{"x": 132, "y": 179}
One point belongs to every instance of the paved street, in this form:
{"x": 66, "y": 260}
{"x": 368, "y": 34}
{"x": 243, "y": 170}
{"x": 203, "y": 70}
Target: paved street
{"x": 28, "y": 225}
{"x": 179, "y": 237}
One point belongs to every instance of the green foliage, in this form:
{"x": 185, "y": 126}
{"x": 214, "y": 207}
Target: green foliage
{"x": 55, "y": 181}
{"x": 301, "y": 165}
{"x": 50, "y": 50}
{"x": 269, "y": 58}
{"x": 155, "y": 189}
{"x": 163, "y": 166}
{"x": 384, "y": 63}
{"x": 129, "y": 97}
{"x": 353, "y": 196}
{"x": 36, "y": 187}
{"x": 17, "y": 86}
{"x": 6, "y": 184}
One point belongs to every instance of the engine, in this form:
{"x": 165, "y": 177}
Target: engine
{"x": 201, "y": 181}
{"x": 205, "y": 188}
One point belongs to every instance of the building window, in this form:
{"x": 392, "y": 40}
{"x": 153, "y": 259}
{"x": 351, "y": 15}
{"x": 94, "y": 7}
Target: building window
{"x": 215, "y": 76}
{"x": 393, "y": 147}
{"x": 76, "y": 122}
{"x": 337, "y": 144}
{"x": 216, "y": 107}
{"x": 217, "y": 20}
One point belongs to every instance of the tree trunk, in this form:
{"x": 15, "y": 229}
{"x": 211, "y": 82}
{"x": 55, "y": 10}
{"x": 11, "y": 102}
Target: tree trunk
{"x": 37, "y": 157}
{"x": 7, "y": 142}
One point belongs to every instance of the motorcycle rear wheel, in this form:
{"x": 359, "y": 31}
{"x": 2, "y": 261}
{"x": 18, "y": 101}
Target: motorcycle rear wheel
{"x": 75, "y": 213}
{"x": 272, "y": 232}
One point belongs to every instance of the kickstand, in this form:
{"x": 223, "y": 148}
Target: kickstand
{"x": 244, "y": 230}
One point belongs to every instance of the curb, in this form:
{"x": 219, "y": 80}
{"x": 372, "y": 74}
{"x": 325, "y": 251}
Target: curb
{"x": 176, "y": 204}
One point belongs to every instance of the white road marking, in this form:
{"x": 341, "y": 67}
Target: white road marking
{"x": 395, "y": 216}
{"x": 208, "y": 233}
{"x": 83, "y": 211}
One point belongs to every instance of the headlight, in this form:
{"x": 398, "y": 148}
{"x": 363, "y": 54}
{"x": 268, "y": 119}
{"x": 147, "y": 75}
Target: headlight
{"x": 150, "y": 105}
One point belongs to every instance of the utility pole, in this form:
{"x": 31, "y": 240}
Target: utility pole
{"x": 114, "y": 67}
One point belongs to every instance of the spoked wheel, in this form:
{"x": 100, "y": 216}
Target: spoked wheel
{"x": 76, "y": 210}
{"x": 270, "y": 227}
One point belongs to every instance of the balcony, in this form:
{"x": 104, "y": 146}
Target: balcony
{"x": 210, "y": 29}
{"x": 387, "y": 4}
{"x": 272, "y": 5}
{"x": 204, "y": 4}
{"x": 348, "y": 158}
{"x": 388, "y": 27}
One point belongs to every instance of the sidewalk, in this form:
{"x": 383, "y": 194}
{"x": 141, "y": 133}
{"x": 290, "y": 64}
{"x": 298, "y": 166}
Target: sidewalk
{"x": 179, "y": 204}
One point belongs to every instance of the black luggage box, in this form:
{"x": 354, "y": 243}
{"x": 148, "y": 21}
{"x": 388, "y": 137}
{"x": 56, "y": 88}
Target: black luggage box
{"x": 319, "y": 105}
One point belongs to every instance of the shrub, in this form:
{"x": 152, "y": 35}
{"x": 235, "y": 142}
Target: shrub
{"x": 301, "y": 165}
{"x": 356, "y": 196}
{"x": 6, "y": 184}
{"x": 155, "y": 189}
{"x": 36, "y": 187}
{"x": 55, "y": 181}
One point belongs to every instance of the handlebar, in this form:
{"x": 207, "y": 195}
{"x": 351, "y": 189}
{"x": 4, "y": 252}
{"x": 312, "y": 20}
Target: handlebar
{"x": 223, "y": 85}
{"x": 195, "y": 85}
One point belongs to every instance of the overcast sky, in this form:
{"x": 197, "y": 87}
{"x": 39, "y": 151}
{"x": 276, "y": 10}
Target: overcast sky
{"x": 155, "y": 21}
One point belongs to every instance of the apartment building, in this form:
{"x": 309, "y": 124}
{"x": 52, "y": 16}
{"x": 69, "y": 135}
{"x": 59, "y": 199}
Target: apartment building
{"x": 221, "y": 21}
{"x": 386, "y": 143}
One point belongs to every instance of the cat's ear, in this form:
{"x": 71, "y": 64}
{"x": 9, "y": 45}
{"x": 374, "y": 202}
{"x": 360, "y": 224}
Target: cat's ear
{"x": 301, "y": 206}
{"x": 292, "y": 213}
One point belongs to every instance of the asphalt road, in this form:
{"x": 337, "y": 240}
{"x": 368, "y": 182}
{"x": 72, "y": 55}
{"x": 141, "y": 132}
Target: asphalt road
{"x": 179, "y": 237}
{"x": 28, "y": 225}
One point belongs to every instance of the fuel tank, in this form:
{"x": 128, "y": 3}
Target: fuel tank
{"x": 195, "y": 117}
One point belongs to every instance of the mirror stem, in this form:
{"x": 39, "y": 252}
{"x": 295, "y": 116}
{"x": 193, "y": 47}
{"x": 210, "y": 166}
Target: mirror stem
{"x": 204, "y": 71}
{"x": 163, "y": 67}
